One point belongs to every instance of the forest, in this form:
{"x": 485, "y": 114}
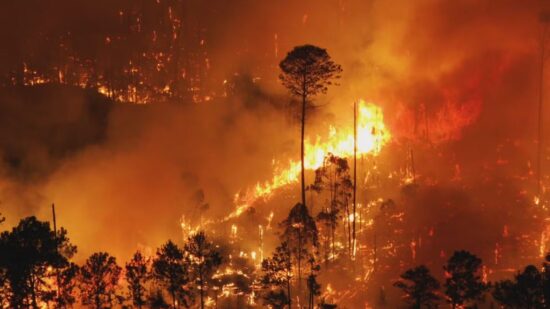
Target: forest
{"x": 274, "y": 154}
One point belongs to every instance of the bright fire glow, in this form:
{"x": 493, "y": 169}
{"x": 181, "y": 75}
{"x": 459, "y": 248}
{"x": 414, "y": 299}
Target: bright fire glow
{"x": 372, "y": 135}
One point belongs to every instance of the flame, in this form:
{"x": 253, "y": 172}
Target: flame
{"x": 372, "y": 135}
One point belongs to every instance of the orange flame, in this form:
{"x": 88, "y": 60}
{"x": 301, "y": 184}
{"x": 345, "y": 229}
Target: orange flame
{"x": 372, "y": 135}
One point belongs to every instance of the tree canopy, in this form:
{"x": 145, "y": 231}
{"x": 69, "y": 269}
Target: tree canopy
{"x": 308, "y": 70}
{"x": 419, "y": 287}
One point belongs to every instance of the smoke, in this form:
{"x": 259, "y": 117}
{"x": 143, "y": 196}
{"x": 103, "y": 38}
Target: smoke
{"x": 456, "y": 80}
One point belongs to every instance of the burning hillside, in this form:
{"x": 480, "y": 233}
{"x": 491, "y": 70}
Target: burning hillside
{"x": 205, "y": 154}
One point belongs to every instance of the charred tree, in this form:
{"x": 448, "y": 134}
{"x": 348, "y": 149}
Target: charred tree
{"x": 419, "y": 287}
{"x": 276, "y": 278}
{"x": 204, "y": 259}
{"x": 137, "y": 275}
{"x": 99, "y": 279}
{"x": 464, "y": 285}
{"x": 300, "y": 235}
{"x": 170, "y": 270}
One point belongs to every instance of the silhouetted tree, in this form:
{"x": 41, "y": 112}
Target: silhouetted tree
{"x": 421, "y": 291}
{"x": 277, "y": 276}
{"x": 386, "y": 230}
{"x": 204, "y": 260}
{"x": 300, "y": 234}
{"x": 546, "y": 279}
{"x": 99, "y": 279}
{"x": 137, "y": 275}
{"x": 313, "y": 287}
{"x": 66, "y": 285}
{"x": 276, "y": 298}
{"x": 156, "y": 300}
{"x": 171, "y": 270}
{"x": 307, "y": 71}
{"x": 334, "y": 177}
{"x": 27, "y": 256}
{"x": 526, "y": 291}
{"x": 464, "y": 285}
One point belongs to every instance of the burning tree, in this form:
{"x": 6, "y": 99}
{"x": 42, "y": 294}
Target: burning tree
{"x": 99, "y": 279}
{"x": 170, "y": 269}
{"x": 204, "y": 259}
{"x": 277, "y": 278}
{"x": 306, "y": 72}
{"x": 137, "y": 275}
{"x": 421, "y": 291}
{"x": 335, "y": 178}
{"x": 300, "y": 235}
{"x": 313, "y": 287}
{"x": 385, "y": 234}
{"x": 464, "y": 284}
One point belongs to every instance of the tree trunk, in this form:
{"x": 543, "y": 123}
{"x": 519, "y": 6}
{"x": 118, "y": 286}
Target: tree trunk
{"x": 354, "y": 238}
{"x": 302, "y": 150}
{"x": 97, "y": 301}
{"x": 33, "y": 293}
{"x": 348, "y": 232}
{"x": 299, "y": 261}
{"x": 288, "y": 291}
{"x": 332, "y": 231}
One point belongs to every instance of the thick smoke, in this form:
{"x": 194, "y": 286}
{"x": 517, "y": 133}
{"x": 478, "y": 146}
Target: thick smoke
{"x": 457, "y": 81}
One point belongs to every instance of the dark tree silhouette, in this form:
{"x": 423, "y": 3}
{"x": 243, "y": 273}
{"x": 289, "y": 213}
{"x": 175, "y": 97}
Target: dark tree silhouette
{"x": 300, "y": 234}
{"x": 546, "y": 279}
{"x": 27, "y": 256}
{"x": 170, "y": 270}
{"x": 313, "y": 287}
{"x": 156, "y": 300}
{"x": 525, "y": 291}
{"x": 464, "y": 285}
{"x": 334, "y": 178}
{"x": 307, "y": 71}
{"x": 421, "y": 291}
{"x": 204, "y": 260}
{"x": 99, "y": 279}
{"x": 66, "y": 285}
{"x": 387, "y": 220}
{"x": 277, "y": 276}
{"x": 137, "y": 275}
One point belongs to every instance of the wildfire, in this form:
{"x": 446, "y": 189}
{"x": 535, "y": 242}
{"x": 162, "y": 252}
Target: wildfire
{"x": 372, "y": 135}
